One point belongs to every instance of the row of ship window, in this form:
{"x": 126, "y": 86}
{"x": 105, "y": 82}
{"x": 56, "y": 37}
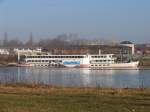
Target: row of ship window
{"x": 44, "y": 61}
{"x": 102, "y": 60}
{"x": 99, "y": 56}
{"x": 100, "y": 65}
{"x": 61, "y": 61}
{"x": 66, "y": 56}
{"x": 55, "y": 56}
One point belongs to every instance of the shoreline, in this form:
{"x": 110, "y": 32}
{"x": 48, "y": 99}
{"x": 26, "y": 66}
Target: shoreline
{"x": 138, "y": 68}
{"x": 17, "y": 88}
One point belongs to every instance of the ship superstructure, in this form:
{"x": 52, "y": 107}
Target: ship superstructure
{"x": 82, "y": 61}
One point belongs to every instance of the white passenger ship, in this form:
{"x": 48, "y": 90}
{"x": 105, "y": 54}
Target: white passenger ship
{"x": 82, "y": 61}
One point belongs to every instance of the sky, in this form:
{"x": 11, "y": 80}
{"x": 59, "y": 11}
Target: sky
{"x": 108, "y": 19}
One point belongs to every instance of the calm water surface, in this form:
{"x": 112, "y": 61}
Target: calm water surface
{"x": 75, "y": 77}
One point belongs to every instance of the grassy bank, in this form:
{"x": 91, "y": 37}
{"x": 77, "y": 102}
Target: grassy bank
{"x": 48, "y": 99}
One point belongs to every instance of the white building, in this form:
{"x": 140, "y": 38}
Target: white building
{"x": 27, "y": 51}
{"x": 4, "y": 52}
{"x": 130, "y": 45}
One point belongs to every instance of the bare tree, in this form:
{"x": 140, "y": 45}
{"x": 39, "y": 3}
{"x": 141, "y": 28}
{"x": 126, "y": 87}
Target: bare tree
{"x": 5, "y": 41}
{"x": 30, "y": 42}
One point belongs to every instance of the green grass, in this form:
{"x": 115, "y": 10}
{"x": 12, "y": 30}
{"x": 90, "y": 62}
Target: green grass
{"x": 75, "y": 101}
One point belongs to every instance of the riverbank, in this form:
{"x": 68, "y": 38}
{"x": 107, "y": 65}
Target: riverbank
{"x": 5, "y": 60}
{"x": 36, "y": 98}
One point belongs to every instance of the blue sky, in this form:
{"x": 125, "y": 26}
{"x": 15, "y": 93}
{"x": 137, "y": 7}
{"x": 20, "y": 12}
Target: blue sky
{"x": 109, "y": 19}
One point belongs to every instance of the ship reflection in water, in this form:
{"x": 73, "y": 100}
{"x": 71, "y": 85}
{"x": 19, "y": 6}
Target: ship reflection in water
{"x": 75, "y": 77}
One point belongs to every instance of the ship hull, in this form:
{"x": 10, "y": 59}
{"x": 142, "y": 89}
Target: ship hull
{"x": 116, "y": 65}
{"x": 24, "y": 65}
{"x": 70, "y": 66}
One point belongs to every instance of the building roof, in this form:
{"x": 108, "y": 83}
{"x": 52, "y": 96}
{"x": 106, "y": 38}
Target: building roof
{"x": 126, "y": 42}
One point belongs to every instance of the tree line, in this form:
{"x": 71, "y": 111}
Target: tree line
{"x": 60, "y": 41}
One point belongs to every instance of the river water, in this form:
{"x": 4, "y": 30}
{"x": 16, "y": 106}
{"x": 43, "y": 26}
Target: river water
{"x": 76, "y": 77}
